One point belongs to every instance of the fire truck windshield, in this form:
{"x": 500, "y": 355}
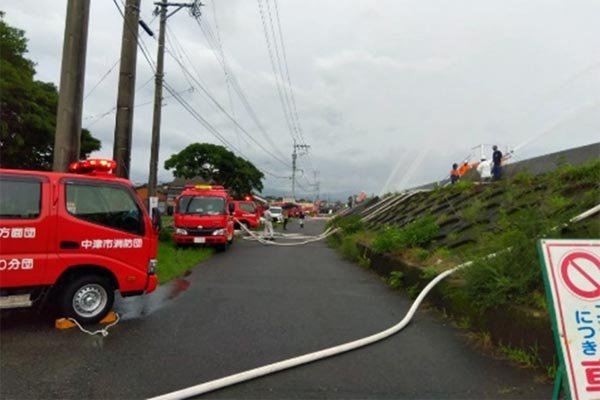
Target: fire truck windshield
{"x": 202, "y": 205}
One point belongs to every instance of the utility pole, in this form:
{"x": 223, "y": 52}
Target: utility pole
{"x": 161, "y": 10}
{"x": 304, "y": 149}
{"x": 67, "y": 138}
{"x": 317, "y": 184}
{"x": 126, "y": 95}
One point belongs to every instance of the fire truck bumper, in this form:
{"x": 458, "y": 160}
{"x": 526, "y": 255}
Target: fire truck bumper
{"x": 151, "y": 284}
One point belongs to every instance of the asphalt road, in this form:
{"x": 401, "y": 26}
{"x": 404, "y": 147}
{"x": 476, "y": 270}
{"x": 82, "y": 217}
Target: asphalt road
{"x": 252, "y": 306}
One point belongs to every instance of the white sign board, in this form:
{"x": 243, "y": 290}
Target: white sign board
{"x": 572, "y": 276}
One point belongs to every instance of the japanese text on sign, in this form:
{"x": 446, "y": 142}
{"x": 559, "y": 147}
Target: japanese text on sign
{"x": 112, "y": 243}
{"x": 17, "y": 233}
{"x": 572, "y": 275}
{"x": 16, "y": 264}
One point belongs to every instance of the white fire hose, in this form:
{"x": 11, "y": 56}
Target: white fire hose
{"x": 305, "y": 239}
{"x": 331, "y": 351}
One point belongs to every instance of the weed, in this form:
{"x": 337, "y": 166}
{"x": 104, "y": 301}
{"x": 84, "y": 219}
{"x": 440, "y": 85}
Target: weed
{"x": 463, "y": 323}
{"x": 473, "y": 211}
{"x": 429, "y": 272}
{"x": 395, "y": 279}
{"x": 351, "y": 224}
{"x": 420, "y": 253}
{"x": 364, "y": 261}
{"x": 413, "y": 291}
{"x": 588, "y": 172}
{"x": 526, "y": 358}
{"x": 556, "y": 203}
{"x": 524, "y": 178}
{"x": 419, "y": 232}
{"x": 551, "y": 370}
{"x": 348, "y": 248}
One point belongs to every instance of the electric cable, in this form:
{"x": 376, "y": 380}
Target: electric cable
{"x": 274, "y": 68}
{"x": 237, "y": 87}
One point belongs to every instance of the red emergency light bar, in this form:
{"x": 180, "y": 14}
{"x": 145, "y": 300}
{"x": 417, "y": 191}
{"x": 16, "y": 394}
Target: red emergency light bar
{"x": 93, "y": 165}
{"x": 205, "y": 187}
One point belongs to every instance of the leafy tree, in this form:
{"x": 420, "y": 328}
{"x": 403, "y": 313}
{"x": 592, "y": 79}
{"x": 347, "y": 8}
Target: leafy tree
{"x": 218, "y": 165}
{"x": 27, "y": 108}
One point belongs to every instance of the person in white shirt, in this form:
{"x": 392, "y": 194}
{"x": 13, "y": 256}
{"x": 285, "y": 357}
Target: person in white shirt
{"x": 485, "y": 170}
{"x": 268, "y": 217}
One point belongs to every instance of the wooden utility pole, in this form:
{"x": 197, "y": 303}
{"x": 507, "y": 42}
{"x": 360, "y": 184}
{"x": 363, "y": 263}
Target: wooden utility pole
{"x": 162, "y": 6}
{"x": 126, "y": 95}
{"x": 67, "y": 139}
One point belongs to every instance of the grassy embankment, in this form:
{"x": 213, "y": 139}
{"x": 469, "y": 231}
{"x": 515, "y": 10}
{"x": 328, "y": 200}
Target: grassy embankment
{"x": 172, "y": 261}
{"x": 437, "y": 230}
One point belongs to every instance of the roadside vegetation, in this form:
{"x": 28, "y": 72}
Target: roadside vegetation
{"x": 445, "y": 227}
{"x": 174, "y": 262}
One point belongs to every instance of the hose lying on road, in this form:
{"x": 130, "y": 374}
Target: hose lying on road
{"x": 305, "y": 239}
{"x": 307, "y": 358}
{"x": 331, "y": 351}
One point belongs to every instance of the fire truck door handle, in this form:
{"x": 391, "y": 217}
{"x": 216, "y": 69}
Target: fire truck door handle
{"x": 66, "y": 244}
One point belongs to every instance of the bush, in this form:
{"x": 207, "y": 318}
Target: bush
{"x": 348, "y": 248}
{"x": 351, "y": 224}
{"x": 588, "y": 172}
{"x": 417, "y": 233}
{"x": 514, "y": 273}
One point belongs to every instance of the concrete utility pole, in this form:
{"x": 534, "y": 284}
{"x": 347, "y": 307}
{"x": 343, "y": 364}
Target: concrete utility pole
{"x": 126, "y": 95}
{"x": 67, "y": 138}
{"x": 304, "y": 149}
{"x": 317, "y": 184}
{"x": 161, "y": 10}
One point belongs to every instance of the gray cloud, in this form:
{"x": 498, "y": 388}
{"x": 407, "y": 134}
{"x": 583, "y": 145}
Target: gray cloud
{"x": 389, "y": 93}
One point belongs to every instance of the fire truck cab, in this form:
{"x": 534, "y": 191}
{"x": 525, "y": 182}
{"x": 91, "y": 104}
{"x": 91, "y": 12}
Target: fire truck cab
{"x": 246, "y": 212}
{"x": 73, "y": 239}
{"x": 203, "y": 215}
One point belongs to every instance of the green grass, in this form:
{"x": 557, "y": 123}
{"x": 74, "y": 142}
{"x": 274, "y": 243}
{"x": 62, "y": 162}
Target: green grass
{"x": 174, "y": 262}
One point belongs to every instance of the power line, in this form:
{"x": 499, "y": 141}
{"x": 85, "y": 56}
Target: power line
{"x": 224, "y": 111}
{"x": 274, "y": 67}
{"x": 287, "y": 71}
{"x": 211, "y": 129}
{"x": 102, "y": 79}
{"x": 191, "y": 110}
{"x": 285, "y": 87}
{"x": 238, "y": 89}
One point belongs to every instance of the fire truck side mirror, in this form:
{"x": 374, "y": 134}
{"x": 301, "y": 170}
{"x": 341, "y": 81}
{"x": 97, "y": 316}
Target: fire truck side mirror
{"x": 156, "y": 219}
{"x": 231, "y": 208}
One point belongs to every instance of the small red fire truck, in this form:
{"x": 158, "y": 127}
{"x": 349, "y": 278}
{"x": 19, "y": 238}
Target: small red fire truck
{"x": 73, "y": 239}
{"x": 246, "y": 212}
{"x": 203, "y": 215}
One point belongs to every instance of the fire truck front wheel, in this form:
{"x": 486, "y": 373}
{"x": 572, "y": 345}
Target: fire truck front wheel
{"x": 87, "y": 298}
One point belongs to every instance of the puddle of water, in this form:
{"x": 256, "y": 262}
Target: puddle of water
{"x": 40, "y": 317}
{"x": 139, "y": 306}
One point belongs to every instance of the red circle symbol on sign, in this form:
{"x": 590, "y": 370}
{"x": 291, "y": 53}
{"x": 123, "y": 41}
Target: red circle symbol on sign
{"x": 580, "y": 273}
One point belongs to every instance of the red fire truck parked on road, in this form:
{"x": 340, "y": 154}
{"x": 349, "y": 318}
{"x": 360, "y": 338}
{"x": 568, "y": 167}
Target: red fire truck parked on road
{"x": 74, "y": 238}
{"x": 247, "y": 212}
{"x": 203, "y": 215}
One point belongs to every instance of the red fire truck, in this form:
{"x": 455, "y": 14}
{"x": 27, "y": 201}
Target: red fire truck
{"x": 73, "y": 239}
{"x": 203, "y": 215}
{"x": 247, "y": 212}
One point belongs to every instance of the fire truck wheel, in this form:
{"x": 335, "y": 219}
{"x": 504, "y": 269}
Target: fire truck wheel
{"x": 87, "y": 298}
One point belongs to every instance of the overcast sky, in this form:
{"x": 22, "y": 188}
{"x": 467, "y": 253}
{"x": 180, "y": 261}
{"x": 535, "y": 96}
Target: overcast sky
{"x": 388, "y": 93}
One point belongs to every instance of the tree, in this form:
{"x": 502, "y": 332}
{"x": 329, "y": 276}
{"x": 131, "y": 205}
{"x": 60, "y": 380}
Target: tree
{"x": 218, "y": 165}
{"x": 27, "y": 108}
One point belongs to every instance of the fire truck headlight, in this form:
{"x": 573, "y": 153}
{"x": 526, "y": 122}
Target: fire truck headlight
{"x": 180, "y": 231}
{"x": 219, "y": 232}
{"x": 152, "y": 266}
